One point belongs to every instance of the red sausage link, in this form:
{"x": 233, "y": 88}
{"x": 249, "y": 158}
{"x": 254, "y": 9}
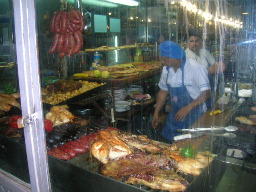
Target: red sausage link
{"x": 53, "y": 48}
{"x": 76, "y": 148}
{"x": 72, "y": 45}
{"x": 89, "y": 137}
{"x": 66, "y": 44}
{"x": 70, "y": 27}
{"x": 61, "y": 54}
{"x": 69, "y": 151}
{"x": 60, "y": 43}
{"x": 72, "y": 18}
{"x": 79, "y": 41}
{"x": 86, "y": 144}
{"x": 63, "y": 22}
{"x": 76, "y": 144}
{"x": 84, "y": 141}
{"x": 63, "y": 155}
{"x": 77, "y": 26}
{"x": 57, "y": 22}
{"x": 52, "y": 27}
{"x": 82, "y": 24}
{"x": 76, "y": 13}
{"x": 53, "y": 154}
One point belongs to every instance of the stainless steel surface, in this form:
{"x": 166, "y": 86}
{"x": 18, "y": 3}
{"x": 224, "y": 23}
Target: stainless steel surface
{"x": 228, "y": 135}
{"x": 228, "y": 128}
{"x": 187, "y": 136}
{"x": 10, "y": 183}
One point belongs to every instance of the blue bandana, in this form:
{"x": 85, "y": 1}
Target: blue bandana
{"x": 172, "y": 50}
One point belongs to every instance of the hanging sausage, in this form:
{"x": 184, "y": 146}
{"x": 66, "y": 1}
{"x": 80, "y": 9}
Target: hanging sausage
{"x": 68, "y": 27}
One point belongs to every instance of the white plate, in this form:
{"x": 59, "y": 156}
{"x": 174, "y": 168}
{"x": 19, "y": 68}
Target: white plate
{"x": 122, "y": 109}
{"x": 122, "y": 103}
{"x": 245, "y": 93}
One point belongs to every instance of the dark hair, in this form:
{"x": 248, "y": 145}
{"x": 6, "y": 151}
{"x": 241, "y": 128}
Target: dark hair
{"x": 194, "y": 33}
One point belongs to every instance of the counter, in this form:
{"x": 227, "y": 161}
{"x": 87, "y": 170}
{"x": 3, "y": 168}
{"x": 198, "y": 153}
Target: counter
{"x": 221, "y": 119}
{"x": 228, "y": 172}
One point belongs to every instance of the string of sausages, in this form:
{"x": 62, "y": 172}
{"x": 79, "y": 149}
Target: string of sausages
{"x": 68, "y": 27}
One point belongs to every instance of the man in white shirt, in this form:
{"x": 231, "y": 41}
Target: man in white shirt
{"x": 204, "y": 57}
{"x": 187, "y": 83}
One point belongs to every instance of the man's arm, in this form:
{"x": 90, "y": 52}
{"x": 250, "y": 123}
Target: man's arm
{"x": 217, "y": 68}
{"x": 161, "y": 98}
{"x": 183, "y": 112}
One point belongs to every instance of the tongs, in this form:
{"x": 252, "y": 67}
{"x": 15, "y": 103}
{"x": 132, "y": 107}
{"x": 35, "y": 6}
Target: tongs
{"x": 228, "y": 128}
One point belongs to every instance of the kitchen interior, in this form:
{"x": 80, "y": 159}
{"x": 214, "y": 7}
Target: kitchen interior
{"x": 114, "y": 112}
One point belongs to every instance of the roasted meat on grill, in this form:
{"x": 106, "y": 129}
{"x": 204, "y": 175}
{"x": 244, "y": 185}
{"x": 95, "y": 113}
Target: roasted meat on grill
{"x": 108, "y": 146}
{"x": 140, "y": 142}
{"x": 191, "y": 166}
{"x": 156, "y": 160}
{"x": 132, "y": 172}
{"x": 59, "y": 115}
{"x": 113, "y": 145}
{"x": 139, "y": 160}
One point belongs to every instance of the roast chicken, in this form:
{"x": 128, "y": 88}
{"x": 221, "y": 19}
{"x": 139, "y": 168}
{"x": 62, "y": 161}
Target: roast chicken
{"x": 60, "y": 115}
{"x": 108, "y": 146}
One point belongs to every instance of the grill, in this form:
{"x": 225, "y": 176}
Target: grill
{"x": 208, "y": 179}
{"x": 83, "y": 172}
{"x": 89, "y": 164}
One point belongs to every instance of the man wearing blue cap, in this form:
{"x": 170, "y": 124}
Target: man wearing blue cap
{"x": 187, "y": 83}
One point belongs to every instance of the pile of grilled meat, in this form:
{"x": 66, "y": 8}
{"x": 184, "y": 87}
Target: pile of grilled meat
{"x": 133, "y": 159}
{"x": 139, "y": 160}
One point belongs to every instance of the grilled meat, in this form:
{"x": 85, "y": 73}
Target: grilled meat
{"x": 140, "y": 142}
{"x": 156, "y": 160}
{"x": 132, "y": 172}
{"x": 191, "y": 166}
{"x": 108, "y": 147}
{"x": 245, "y": 120}
{"x": 112, "y": 145}
{"x": 59, "y": 115}
{"x": 63, "y": 86}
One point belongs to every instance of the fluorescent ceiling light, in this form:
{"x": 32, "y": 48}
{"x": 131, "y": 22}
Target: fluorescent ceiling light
{"x": 125, "y": 2}
{"x": 99, "y": 3}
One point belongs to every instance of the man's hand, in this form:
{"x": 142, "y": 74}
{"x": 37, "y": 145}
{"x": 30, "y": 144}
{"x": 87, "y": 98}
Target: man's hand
{"x": 217, "y": 68}
{"x": 155, "y": 121}
{"x": 182, "y": 113}
{"x": 161, "y": 98}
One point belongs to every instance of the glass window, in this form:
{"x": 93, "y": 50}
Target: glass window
{"x": 115, "y": 25}
{"x": 122, "y": 84}
{"x": 100, "y": 23}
